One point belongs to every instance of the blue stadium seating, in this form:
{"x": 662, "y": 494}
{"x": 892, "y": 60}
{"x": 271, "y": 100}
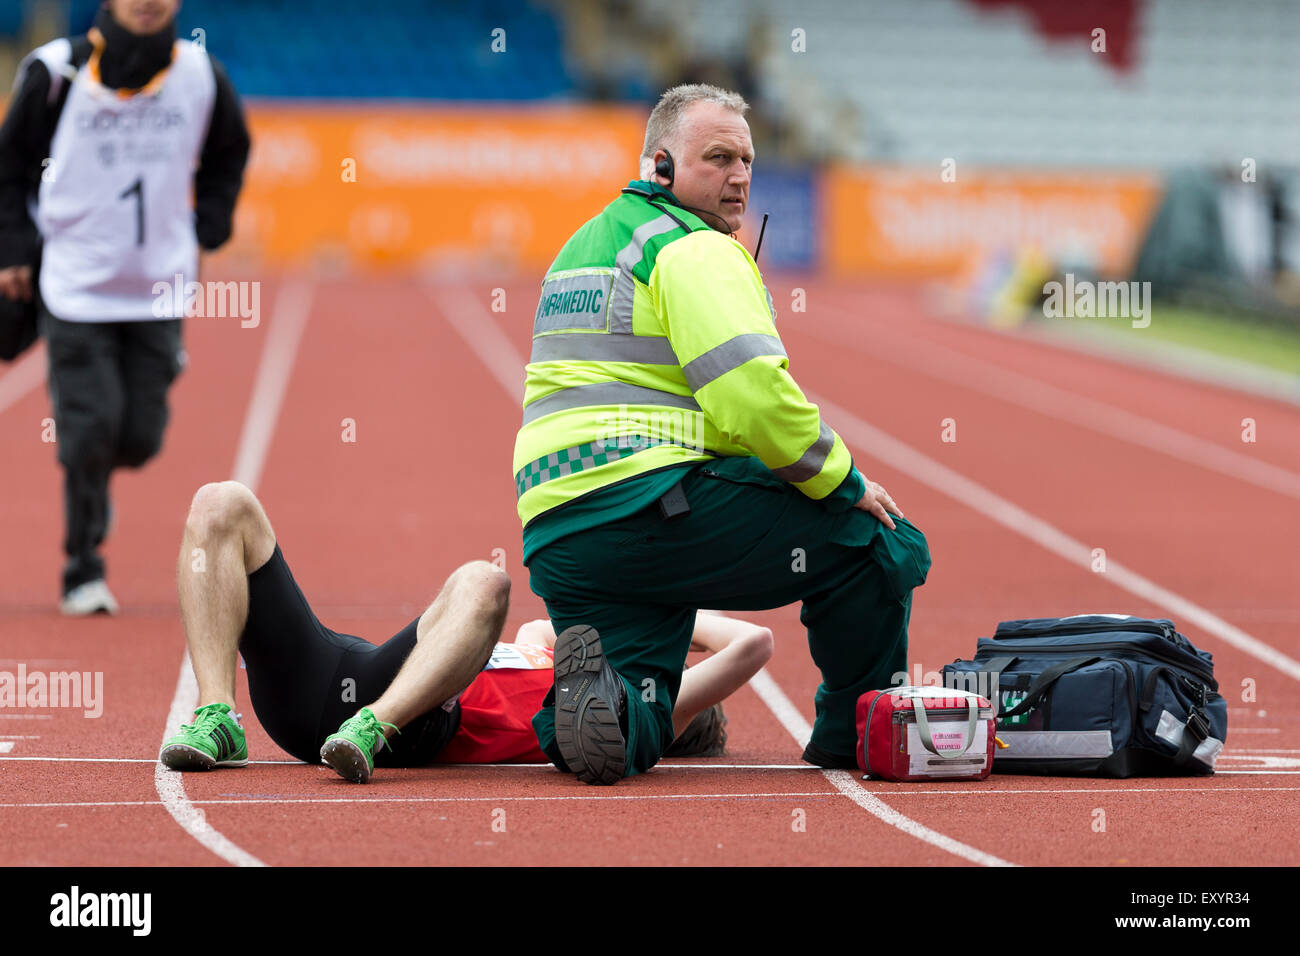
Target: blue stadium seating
{"x": 392, "y": 49}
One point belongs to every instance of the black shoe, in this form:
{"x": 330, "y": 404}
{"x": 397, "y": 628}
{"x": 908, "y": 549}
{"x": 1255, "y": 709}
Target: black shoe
{"x": 590, "y": 708}
{"x": 815, "y": 755}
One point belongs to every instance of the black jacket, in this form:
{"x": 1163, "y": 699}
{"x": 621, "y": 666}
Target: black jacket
{"x": 25, "y": 141}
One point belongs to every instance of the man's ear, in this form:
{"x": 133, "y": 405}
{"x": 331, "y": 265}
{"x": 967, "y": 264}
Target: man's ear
{"x": 659, "y": 156}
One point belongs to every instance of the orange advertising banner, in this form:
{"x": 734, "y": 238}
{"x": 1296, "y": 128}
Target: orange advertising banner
{"x": 911, "y": 223}
{"x": 434, "y": 187}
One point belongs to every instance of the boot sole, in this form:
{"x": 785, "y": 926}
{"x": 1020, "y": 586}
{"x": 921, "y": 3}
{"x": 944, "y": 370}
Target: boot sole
{"x": 183, "y": 757}
{"x": 346, "y": 759}
{"x": 586, "y": 726}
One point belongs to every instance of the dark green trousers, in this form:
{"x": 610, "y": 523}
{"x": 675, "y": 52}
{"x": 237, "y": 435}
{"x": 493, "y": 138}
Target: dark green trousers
{"x": 749, "y": 542}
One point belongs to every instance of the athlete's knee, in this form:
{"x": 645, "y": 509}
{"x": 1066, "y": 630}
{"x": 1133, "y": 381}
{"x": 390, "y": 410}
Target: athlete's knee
{"x": 222, "y": 509}
{"x": 485, "y": 584}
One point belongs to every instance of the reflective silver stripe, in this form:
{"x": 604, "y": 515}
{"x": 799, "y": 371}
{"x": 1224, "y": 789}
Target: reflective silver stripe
{"x": 620, "y": 305}
{"x": 732, "y": 353}
{"x": 605, "y": 393}
{"x": 590, "y": 290}
{"x": 602, "y": 347}
{"x": 770, "y": 306}
{"x": 811, "y": 461}
{"x": 1056, "y": 744}
{"x": 1172, "y": 729}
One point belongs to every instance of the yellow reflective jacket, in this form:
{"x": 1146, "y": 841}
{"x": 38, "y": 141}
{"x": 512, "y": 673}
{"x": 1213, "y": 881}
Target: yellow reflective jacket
{"x": 655, "y": 345}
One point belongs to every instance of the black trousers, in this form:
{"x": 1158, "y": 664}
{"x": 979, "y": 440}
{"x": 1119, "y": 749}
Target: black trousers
{"x": 108, "y": 383}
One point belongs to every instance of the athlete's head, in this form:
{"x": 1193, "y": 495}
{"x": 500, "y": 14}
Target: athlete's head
{"x": 704, "y": 736}
{"x": 143, "y": 17}
{"x": 704, "y": 129}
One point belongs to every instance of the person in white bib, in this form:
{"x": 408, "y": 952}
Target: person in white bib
{"x": 121, "y": 156}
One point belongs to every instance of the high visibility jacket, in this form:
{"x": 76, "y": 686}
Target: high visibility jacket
{"x": 655, "y": 345}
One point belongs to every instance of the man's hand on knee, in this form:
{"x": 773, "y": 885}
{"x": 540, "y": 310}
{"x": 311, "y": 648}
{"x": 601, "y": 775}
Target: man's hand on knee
{"x": 877, "y": 501}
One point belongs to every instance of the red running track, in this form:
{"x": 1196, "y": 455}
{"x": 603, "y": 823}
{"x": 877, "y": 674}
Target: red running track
{"x": 1104, "y": 454}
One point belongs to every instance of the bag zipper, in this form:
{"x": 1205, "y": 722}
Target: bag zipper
{"x": 945, "y": 713}
{"x": 1146, "y": 627}
{"x": 1200, "y": 670}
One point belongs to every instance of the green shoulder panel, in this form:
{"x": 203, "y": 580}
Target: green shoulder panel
{"x": 598, "y": 242}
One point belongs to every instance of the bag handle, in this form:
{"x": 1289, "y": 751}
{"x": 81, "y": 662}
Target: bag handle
{"x": 1039, "y": 688}
{"x": 927, "y": 739}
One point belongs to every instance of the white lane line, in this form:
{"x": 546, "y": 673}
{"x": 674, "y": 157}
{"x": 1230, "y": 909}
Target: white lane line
{"x": 25, "y": 374}
{"x": 846, "y": 783}
{"x": 949, "y": 365}
{"x": 480, "y": 331}
{"x": 292, "y": 309}
{"x": 596, "y": 797}
{"x": 871, "y": 442}
{"x": 605, "y": 795}
{"x": 130, "y": 759}
{"x": 485, "y": 339}
{"x": 508, "y": 766}
{"x": 1257, "y": 773}
{"x": 171, "y": 785}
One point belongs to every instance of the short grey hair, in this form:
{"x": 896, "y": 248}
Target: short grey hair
{"x": 666, "y": 118}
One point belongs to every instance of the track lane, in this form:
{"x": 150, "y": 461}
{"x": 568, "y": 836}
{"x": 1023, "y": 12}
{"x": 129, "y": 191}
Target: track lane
{"x": 137, "y": 652}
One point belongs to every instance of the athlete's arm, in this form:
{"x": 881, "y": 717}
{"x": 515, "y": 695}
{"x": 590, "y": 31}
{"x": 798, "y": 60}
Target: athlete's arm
{"x": 538, "y": 632}
{"x": 739, "y": 650}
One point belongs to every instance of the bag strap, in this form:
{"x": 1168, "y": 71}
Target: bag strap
{"x": 997, "y": 665}
{"x": 1195, "y": 731}
{"x": 1197, "y": 728}
{"x": 927, "y": 739}
{"x": 1039, "y": 688}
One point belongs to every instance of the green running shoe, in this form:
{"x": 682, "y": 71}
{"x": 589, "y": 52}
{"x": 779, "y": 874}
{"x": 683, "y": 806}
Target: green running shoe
{"x": 215, "y": 739}
{"x": 351, "y": 751}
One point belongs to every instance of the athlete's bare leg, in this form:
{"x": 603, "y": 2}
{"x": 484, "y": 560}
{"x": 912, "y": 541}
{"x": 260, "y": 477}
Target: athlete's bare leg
{"x": 454, "y": 639}
{"x": 227, "y": 537}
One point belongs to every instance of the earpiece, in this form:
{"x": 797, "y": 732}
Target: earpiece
{"x": 665, "y": 169}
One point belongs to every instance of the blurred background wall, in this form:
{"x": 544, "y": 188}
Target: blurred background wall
{"x": 957, "y": 140}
